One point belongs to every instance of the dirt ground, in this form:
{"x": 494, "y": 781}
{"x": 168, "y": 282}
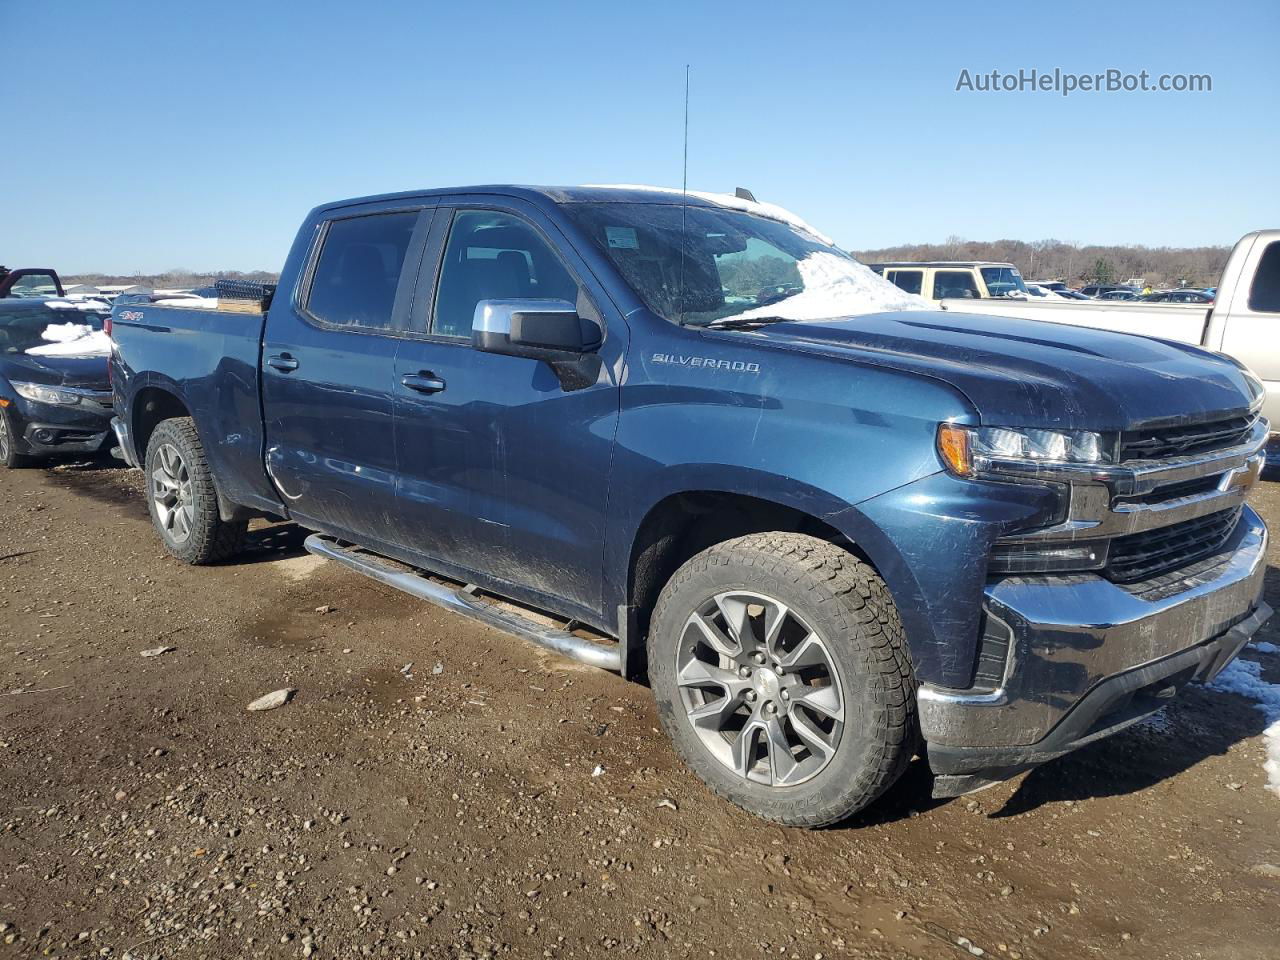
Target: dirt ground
{"x": 429, "y": 792}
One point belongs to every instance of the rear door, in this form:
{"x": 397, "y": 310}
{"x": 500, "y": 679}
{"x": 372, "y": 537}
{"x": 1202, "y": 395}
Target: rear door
{"x": 504, "y": 463}
{"x": 328, "y": 371}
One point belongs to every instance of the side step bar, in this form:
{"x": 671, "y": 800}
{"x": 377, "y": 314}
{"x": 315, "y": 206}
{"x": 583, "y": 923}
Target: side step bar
{"x": 460, "y": 600}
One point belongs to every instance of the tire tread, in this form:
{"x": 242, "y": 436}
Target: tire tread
{"x": 847, "y": 591}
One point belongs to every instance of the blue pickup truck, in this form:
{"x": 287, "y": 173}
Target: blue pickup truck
{"x": 661, "y": 433}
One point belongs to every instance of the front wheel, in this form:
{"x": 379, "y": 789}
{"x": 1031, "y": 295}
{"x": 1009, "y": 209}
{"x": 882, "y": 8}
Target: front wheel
{"x": 9, "y": 455}
{"x": 782, "y": 677}
{"x": 182, "y": 499}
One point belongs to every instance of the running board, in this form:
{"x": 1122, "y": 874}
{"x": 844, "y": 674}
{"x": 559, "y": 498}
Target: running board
{"x": 462, "y": 600}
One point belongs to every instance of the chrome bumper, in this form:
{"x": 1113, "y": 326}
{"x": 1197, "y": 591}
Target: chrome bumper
{"x": 1069, "y": 634}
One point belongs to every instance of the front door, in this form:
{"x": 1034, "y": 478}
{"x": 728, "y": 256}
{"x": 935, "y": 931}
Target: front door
{"x": 504, "y": 462}
{"x": 328, "y": 374}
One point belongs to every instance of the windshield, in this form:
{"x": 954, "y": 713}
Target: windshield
{"x": 1003, "y": 281}
{"x": 39, "y": 330}
{"x": 733, "y": 265}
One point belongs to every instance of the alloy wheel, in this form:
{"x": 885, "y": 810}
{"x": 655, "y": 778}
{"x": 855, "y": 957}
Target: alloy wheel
{"x": 760, "y": 689}
{"x": 4, "y": 438}
{"x": 171, "y": 493}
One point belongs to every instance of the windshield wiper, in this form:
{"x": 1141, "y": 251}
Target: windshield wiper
{"x": 744, "y": 323}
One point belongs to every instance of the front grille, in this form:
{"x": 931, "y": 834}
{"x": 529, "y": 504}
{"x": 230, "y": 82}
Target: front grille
{"x": 1173, "y": 491}
{"x": 1165, "y": 442}
{"x": 1153, "y": 552}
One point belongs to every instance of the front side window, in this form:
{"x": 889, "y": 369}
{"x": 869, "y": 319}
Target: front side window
{"x": 494, "y": 256}
{"x": 1003, "y": 281}
{"x": 356, "y": 275}
{"x": 908, "y": 280}
{"x": 1264, "y": 295}
{"x": 955, "y": 283}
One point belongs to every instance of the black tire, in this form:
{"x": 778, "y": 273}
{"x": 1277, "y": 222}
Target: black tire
{"x": 201, "y": 536}
{"x": 842, "y": 602}
{"x": 10, "y": 458}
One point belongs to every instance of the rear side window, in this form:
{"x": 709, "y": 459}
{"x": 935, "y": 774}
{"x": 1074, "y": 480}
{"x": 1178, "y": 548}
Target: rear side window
{"x": 494, "y": 256}
{"x": 954, "y": 283}
{"x": 1264, "y": 295}
{"x": 908, "y": 280}
{"x": 355, "y": 279}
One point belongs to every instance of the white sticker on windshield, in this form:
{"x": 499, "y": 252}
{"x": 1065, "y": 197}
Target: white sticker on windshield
{"x": 622, "y": 238}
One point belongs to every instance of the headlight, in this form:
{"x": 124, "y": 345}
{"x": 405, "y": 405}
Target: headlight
{"x": 42, "y": 394}
{"x": 976, "y": 451}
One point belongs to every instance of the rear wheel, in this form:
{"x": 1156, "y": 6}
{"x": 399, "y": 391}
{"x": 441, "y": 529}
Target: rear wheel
{"x": 9, "y": 455}
{"x": 182, "y": 499}
{"x": 782, "y": 677}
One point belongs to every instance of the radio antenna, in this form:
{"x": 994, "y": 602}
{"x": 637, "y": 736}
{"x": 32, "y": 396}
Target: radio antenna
{"x": 684, "y": 191}
{"x": 684, "y": 184}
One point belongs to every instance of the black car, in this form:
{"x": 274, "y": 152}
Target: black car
{"x": 50, "y": 403}
{"x": 1098, "y": 289}
{"x": 1177, "y": 296}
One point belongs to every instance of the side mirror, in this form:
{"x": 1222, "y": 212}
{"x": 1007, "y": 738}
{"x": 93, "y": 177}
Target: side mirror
{"x": 549, "y": 330}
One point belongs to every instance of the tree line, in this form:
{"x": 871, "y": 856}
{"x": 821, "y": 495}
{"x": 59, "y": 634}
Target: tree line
{"x": 1073, "y": 262}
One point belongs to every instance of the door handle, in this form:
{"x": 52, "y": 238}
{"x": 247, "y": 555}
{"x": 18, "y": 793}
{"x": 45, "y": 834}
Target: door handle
{"x": 423, "y": 382}
{"x": 284, "y": 363}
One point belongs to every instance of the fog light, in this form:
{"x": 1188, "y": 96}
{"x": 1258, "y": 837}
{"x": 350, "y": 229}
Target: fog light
{"x": 43, "y": 436}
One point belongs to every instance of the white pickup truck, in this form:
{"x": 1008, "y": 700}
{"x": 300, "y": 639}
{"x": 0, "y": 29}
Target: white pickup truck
{"x": 1243, "y": 323}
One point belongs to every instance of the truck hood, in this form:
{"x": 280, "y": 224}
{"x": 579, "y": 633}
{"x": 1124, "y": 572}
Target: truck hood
{"x": 1031, "y": 373}
{"x": 52, "y": 371}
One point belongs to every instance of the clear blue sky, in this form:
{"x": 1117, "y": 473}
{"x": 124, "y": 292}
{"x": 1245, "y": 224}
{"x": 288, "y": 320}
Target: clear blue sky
{"x": 142, "y": 136}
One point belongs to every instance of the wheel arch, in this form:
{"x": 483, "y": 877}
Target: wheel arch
{"x": 152, "y": 404}
{"x": 682, "y": 523}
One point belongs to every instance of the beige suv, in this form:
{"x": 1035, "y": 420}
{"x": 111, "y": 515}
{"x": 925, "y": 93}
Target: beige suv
{"x": 958, "y": 279}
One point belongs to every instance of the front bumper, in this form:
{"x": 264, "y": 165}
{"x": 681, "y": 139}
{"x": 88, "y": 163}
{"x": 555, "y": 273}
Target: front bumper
{"x": 1087, "y": 657}
{"x": 46, "y": 429}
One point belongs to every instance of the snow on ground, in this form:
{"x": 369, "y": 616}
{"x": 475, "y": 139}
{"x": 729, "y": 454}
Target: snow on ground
{"x": 72, "y": 340}
{"x": 836, "y": 287}
{"x": 1245, "y": 678}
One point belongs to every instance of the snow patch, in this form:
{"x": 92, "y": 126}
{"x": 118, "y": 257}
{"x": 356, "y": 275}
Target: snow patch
{"x": 770, "y": 211}
{"x": 837, "y": 287}
{"x": 209, "y": 303}
{"x": 88, "y": 303}
{"x": 1244, "y": 677}
{"x": 72, "y": 340}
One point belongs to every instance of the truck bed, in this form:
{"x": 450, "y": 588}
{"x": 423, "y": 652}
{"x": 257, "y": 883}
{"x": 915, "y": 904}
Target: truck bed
{"x": 213, "y": 357}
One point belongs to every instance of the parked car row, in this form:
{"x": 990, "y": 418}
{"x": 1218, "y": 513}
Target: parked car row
{"x": 977, "y": 279}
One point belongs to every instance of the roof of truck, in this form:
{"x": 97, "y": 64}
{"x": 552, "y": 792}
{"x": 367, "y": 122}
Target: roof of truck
{"x": 600, "y": 193}
{"x": 940, "y": 263}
